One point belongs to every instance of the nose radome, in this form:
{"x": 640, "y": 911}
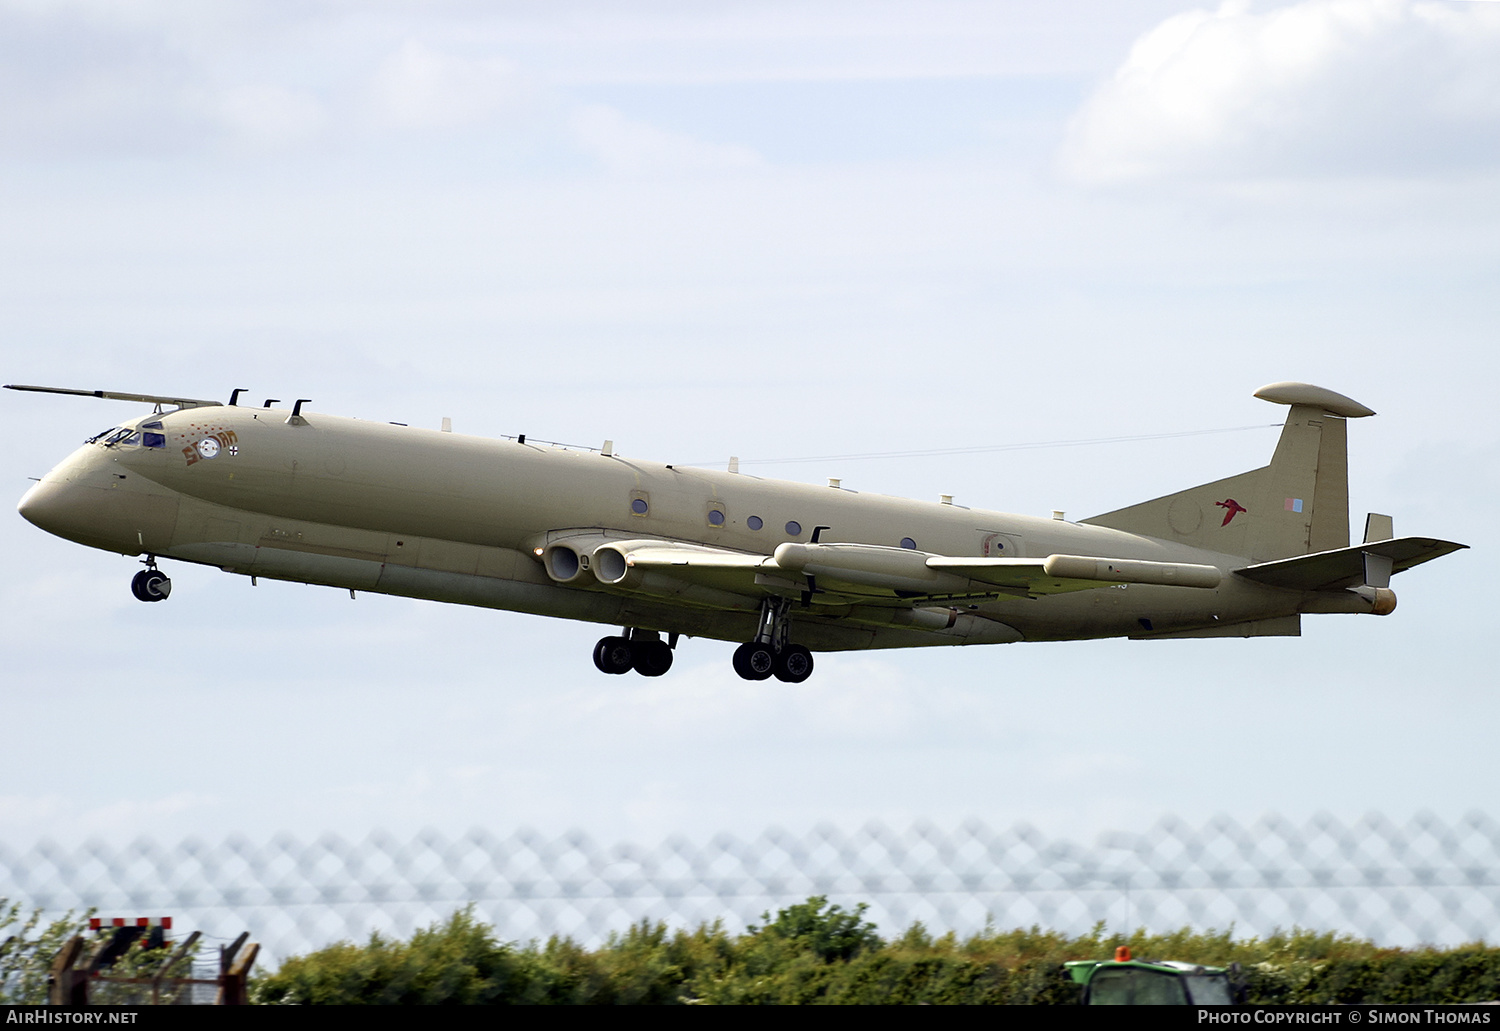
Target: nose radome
{"x": 125, "y": 519}
{"x": 42, "y": 506}
{"x": 70, "y": 510}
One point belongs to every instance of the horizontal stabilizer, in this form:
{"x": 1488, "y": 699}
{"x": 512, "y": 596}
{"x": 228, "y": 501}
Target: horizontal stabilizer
{"x": 115, "y": 395}
{"x": 1346, "y": 567}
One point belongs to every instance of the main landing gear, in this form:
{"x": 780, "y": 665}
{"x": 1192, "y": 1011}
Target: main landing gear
{"x": 150, "y": 584}
{"x": 771, "y": 654}
{"x": 641, "y": 650}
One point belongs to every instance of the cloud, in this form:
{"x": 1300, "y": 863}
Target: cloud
{"x": 80, "y": 81}
{"x": 630, "y": 147}
{"x": 421, "y": 88}
{"x": 1316, "y": 88}
{"x": 75, "y": 87}
{"x": 270, "y": 117}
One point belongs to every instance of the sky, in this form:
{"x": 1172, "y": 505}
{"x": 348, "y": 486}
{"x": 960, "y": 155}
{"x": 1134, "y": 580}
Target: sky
{"x": 781, "y": 231}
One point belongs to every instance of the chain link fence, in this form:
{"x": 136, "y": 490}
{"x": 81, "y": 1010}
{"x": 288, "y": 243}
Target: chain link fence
{"x": 1422, "y": 881}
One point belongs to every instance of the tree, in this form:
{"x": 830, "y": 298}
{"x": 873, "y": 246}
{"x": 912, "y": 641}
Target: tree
{"x": 26, "y": 954}
{"x": 827, "y": 931}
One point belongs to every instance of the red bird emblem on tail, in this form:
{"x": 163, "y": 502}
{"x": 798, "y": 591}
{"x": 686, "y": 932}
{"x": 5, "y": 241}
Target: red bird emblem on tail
{"x": 1231, "y": 509}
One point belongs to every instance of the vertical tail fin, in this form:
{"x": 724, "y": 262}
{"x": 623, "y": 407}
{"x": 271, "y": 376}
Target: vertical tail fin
{"x": 1296, "y": 505}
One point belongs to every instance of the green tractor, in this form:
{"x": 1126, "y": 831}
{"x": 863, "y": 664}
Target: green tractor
{"x": 1124, "y": 981}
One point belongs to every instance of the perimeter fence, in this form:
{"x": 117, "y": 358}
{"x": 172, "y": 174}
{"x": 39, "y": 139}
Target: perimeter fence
{"x": 1422, "y": 881}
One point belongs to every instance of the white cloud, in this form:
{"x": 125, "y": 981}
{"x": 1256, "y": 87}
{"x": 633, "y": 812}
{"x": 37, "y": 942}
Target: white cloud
{"x": 421, "y": 88}
{"x": 270, "y": 117}
{"x": 627, "y": 146}
{"x": 1319, "y": 87}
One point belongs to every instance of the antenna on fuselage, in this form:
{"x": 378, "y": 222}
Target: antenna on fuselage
{"x": 234, "y": 397}
{"x": 295, "y": 419}
{"x": 270, "y": 401}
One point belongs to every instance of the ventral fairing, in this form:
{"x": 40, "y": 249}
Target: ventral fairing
{"x": 783, "y": 569}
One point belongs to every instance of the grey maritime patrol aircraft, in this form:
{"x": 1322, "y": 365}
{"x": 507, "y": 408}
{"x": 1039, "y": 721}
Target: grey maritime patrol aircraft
{"x": 665, "y": 551}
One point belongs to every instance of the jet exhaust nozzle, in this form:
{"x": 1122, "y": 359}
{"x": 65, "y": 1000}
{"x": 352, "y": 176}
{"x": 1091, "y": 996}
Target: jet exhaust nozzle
{"x": 610, "y": 566}
{"x": 566, "y": 564}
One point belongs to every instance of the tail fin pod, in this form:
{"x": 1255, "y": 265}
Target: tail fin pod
{"x": 1296, "y": 505}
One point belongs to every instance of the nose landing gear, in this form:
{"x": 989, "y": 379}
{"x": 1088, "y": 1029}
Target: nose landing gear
{"x": 150, "y": 584}
{"x": 641, "y": 650}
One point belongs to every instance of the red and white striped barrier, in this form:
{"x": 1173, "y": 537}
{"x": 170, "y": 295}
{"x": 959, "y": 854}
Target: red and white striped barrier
{"x": 99, "y": 923}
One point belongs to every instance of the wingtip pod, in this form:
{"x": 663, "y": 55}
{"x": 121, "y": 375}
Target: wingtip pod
{"x": 1292, "y": 393}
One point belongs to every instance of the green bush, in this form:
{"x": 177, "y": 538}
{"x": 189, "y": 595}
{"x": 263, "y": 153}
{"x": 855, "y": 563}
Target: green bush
{"x": 816, "y": 953}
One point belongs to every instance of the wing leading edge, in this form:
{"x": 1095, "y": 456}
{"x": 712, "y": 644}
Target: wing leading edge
{"x": 871, "y": 572}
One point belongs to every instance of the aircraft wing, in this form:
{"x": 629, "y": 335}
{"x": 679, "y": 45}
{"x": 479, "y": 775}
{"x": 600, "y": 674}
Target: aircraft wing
{"x": 115, "y": 395}
{"x": 1057, "y": 574}
{"x": 871, "y": 573}
{"x": 1346, "y": 567}
{"x": 716, "y": 568}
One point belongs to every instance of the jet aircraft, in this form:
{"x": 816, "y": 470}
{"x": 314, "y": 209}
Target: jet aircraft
{"x": 664, "y": 551}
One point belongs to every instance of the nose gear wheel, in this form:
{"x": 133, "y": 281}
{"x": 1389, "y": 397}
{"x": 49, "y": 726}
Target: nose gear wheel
{"x": 150, "y": 584}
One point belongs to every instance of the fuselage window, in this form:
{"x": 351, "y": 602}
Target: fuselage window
{"x": 755, "y": 522}
{"x": 154, "y": 439}
{"x": 639, "y": 506}
{"x": 715, "y": 517}
{"x": 793, "y": 528}
{"x": 908, "y": 544}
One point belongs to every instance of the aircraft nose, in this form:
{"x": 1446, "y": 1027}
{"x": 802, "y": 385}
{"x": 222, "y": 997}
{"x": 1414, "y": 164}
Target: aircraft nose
{"x": 124, "y": 516}
{"x": 45, "y": 506}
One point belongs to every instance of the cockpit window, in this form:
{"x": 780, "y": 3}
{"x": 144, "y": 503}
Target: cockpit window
{"x": 129, "y": 437}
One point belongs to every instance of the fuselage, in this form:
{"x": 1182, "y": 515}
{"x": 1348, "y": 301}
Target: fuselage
{"x": 408, "y": 511}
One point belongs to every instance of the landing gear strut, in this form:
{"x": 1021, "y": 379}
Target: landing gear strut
{"x": 771, "y": 654}
{"x": 150, "y": 584}
{"x": 641, "y": 650}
